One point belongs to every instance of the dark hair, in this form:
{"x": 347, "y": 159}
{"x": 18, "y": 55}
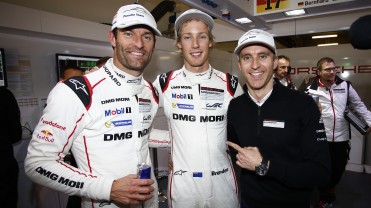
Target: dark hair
{"x": 287, "y": 59}
{"x": 102, "y": 61}
{"x": 324, "y": 60}
{"x": 73, "y": 67}
{"x": 283, "y": 57}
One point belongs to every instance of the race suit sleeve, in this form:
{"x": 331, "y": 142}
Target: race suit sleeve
{"x": 313, "y": 169}
{"x": 239, "y": 91}
{"x": 159, "y": 138}
{"x": 62, "y": 121}
{"x": 358, "y": 106}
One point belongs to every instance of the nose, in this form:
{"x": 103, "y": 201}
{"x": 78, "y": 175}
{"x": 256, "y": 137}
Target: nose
{"x": 195, "y": 43}
{"x": 255, "y": 63}
{"x": 138, "y": 41}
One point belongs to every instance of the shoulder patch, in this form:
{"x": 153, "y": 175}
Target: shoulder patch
{"x": 232, "y": 83}
{"x": 82, "y": 88}
{"x": 164, "y": 80}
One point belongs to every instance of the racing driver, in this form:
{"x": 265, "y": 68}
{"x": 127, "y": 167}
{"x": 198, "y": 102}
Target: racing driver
{"x": 195, "y": 99}
{"x": 104, "y": 118}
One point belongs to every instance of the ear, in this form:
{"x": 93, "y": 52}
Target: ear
{"x": 179, "y": 45}
{"x": 112, "y": 39}
{"x": 211, "y": 44}
{"x": 239, "y": 65}
{"x": 275, "y": 63}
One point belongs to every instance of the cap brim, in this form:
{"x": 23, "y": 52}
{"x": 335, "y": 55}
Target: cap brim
{"x": 199, "y": 16}
{"x": 133, "y": 23}
{"x": 238, "y": 49}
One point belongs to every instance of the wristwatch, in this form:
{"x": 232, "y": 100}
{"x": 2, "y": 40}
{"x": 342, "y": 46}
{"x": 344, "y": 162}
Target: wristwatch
{"x": 262, "y": 169}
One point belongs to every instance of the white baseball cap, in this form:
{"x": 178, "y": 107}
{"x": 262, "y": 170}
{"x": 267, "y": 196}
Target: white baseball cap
{"x": 191, "y": 14}
{"x": 134, "y": 14}
{"x": 256, "y": 36}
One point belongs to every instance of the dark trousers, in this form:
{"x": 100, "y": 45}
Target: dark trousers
{"x": 339, "y": 153}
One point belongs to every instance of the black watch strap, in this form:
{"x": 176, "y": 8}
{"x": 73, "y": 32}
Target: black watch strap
{"x": 262, "y": 169}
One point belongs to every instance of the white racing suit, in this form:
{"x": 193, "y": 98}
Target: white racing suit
{"x": 196, "y": 108}
{"x": 104, "y": 118}
{"x": 333, "y": 103}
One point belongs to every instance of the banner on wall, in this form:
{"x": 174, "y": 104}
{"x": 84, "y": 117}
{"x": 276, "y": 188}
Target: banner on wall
{"x": 273, "y": 6}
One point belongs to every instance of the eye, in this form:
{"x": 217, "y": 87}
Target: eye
{"x": 148, "y": 37}
{"x": 203, "y": 37}
{"x": 246, "y": 58}
{"x": 263, "y": 56}
{"x": 127, "y": 34}
{"x": 186, "y": 37}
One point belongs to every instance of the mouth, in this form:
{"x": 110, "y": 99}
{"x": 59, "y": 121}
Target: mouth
{"x": 196, "y": 53}
{"x": 256, "y": 74}
{"x": 136, "y": 53}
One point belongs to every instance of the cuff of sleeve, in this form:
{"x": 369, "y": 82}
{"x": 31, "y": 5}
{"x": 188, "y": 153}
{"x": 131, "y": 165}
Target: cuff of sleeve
{"x": 101, "y": 189}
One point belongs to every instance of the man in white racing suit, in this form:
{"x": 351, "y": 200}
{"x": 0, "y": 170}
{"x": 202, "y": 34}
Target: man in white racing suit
{"x": 334, "y": 95}
{"x": 104, "y": 118}
{"x": 195, "y": 99}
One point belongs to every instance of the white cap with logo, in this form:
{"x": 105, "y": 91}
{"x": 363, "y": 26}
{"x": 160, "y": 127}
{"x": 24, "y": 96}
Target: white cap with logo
{"x": 191, "y": 14}
{"x": 134, "y": 14}
{"x": 256, "y": 36}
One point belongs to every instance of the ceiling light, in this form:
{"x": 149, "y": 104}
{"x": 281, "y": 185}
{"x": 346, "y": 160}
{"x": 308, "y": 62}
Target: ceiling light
{"x": 295, "y": 12}
{"x": 328, "y": 44}
{"x": 324, "y": 36}
{"x": 243, "y": 20}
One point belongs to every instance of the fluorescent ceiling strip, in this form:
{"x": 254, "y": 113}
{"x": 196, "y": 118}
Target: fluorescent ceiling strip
{"x": 328, "y": 44}
{"x": 324, "y": 36}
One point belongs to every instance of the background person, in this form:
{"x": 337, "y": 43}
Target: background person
{"x": 282, "y": 72}
{"x": 334, "y": 96}
{"x": 100, "y": 117}
{"x": 195, "y": 99}
{"x": 70, "y": 71}
{"x": 10, "y": 133}
{"x": 283, "y": 154}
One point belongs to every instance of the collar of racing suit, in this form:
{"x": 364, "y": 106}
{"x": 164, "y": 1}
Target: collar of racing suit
{"x": 197, "y": 78}
{"x": 136, "y": 84}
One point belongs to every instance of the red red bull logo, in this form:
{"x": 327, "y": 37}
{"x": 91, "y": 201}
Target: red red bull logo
{"x": 45, "y": 135}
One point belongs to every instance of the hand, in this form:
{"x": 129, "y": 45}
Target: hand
{"x": 369, "y": 130}
{"x": 247, "y": 157}
{"x": 131, "y": 190}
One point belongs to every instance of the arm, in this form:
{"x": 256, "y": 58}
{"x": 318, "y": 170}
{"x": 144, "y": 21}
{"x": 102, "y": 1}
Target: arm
{"x": 358, "y": 106}
{"x": 310, "y": 169}
{"x": 159, "y": 138}
{"x": 62, "y": 121}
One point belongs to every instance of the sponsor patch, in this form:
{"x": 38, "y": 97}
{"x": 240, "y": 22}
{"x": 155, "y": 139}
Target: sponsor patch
{"x": 110, "y": 124}
{"x": 182, "y": 96}
{"x": 213, "y": 106}
{"x": 145, "y": 105}
{"x": 197, "y": 174}
{"x": 208, "y": 93}
{"x": 184, "y": 106}
{"x": 45, "y": 135}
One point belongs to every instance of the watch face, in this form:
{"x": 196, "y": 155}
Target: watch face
{"x": 262, "y": 169}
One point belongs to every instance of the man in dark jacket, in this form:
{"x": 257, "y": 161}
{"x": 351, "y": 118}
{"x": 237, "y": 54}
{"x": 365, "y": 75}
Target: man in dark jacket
{"x": 283, "y": 154}
{"x": 10, "y": 133}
